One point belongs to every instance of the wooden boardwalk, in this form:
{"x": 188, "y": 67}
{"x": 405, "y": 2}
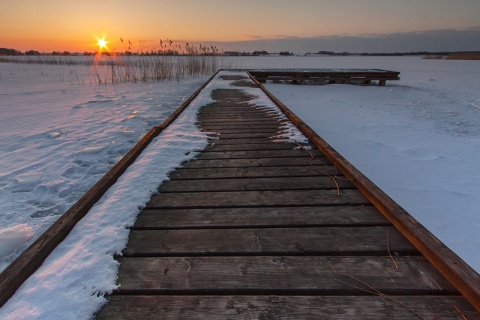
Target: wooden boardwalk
{"x": 256, "y": 229}
{"x": 319, "y": 76}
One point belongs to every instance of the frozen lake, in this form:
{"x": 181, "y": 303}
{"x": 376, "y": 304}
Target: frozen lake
{"x": 417, "y": 138}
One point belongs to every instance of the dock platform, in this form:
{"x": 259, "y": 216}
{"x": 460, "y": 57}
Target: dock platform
{"x": 255, "y": 228}
{"x": 325, "y": 76}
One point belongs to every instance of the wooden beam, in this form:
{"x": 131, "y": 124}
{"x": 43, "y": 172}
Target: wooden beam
{"x": 338, "y": 241}
{"x": 239, "y": 199}
{"x": 260, "y": 217}
{"x": 254, "y": 172}
{"x": 285, "y": 307}
{"x": 322, "y": 275}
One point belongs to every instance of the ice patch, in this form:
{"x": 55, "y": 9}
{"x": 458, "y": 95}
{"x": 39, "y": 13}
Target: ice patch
{"x": 26, "y": 182}
{"x": 91, "y": 150}
{"x": 99, "y": 101}
{"x": 128, "y": 132}
{"x": 28, "y": 178}
{"x": 54, "y": 135}
{"x": 14, "y": 237}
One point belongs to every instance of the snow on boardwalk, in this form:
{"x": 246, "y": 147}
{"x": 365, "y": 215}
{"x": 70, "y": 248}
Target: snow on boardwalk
{"x": 257, "y": 227}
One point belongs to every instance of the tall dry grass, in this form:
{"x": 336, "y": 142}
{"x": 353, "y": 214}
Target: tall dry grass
{"x": 165, "y": 62}
{"x": 464, "y": 56}
{"x": 153, "y": 68}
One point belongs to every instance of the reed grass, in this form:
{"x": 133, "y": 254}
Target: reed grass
{"x": 168, "y": 61}
{"x": 464, "y": 56}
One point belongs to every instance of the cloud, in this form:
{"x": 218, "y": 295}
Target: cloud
{"x": 253, "y": 37}
{"x": 282, "y": 36}
{"x": 278, "y": 36}
{"x": 432, "y": 40}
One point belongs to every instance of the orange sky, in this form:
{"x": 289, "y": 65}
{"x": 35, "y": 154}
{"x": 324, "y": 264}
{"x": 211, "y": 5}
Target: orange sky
{"x": 49, "y": 25}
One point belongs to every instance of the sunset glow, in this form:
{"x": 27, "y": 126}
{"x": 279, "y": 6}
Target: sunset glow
{"x": 102, "y": 44}
{"x": 50, "y": 25}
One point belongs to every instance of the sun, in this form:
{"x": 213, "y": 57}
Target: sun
{"x": 102, "y": 44}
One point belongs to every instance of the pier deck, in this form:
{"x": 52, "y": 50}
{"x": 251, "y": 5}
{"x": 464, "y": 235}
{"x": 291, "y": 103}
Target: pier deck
{"x": 325, "y": 76}
{"x": 257, "y": 229}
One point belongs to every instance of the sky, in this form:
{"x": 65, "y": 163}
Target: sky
{"x": 247, "y": 25}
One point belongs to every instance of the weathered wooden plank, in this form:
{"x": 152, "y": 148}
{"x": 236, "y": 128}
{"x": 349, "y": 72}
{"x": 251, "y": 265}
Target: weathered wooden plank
{"x": 283, "y": 183}
{"x": 249, "y": 147}
{"x": 236, "y": 118}
{"x": 225, "y": 139}
{"x": 286, "y": 307}
{"x": 245, "y": 116}
{"x": 233, "y": 77}
{"x": 259, "y": 154}
{"x": 241, "y": 141}
{"x": 229, "y": 93}
{"x": 257, "y": 198}
{"x": 306, "y": 74}
{"x": 227, "y": 109}
{"x": 270, "y": 241}
{"x": 272, "y": 131}
{"x": 244, "y": 135}
{"x": 229, "y": 128}
{"x": 236, "y": 122}
{"x": 287, "y": 274}
{"x": 258, "y": 162}
{"x": 261, "y": 217}
{"x": 233, "y": 106}
{"x": 253, "y": 172}
{"x": 221, "y": 113}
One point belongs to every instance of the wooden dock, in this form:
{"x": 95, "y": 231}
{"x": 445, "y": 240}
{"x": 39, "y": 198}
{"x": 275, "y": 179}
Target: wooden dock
{"x": 257, "y": 229}
{"x": 325, "y": 76}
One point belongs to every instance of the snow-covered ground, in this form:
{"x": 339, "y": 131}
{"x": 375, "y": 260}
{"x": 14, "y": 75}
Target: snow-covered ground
{"x": 417, "y": 138}
{"x": 59, "y": 133}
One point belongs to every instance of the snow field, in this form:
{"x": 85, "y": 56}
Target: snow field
{"x": 59, "y": 136}
{"x": 418, "y": 139}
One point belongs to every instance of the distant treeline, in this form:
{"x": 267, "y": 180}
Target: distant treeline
{"x": 467, "y": 55}
{"x": 13, "y": 52}
{"x": 395, "y": 54}
{"x": 189, "y": 50}
{"x": 256, "y": 53}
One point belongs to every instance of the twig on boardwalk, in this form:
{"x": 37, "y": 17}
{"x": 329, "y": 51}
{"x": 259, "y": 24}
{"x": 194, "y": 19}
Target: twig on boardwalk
{"x": 310, "y": 153}
{"x": 336, "y": 184}
{"x": 388, "y": 249}
{"x": 373, "y": 291}
{"x": 329, "y": 175}
{"x": 460, "y": 312}
{"x": 334, "y": 177}
{"x": 210, "y": 147}
{"x": 302, "y": 147}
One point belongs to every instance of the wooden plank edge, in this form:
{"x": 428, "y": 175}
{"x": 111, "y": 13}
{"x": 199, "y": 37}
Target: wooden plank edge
{"x": 284, "y": 307}
{"x": 32, "y": 258}
{"x": 463, "y": 277}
